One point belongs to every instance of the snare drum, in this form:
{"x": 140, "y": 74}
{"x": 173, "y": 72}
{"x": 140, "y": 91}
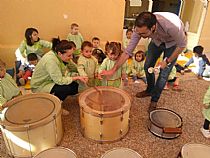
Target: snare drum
{"x": 165, "y": 123}
{"x": 121, "y": 153}
{"x": 56, "y": 153}
{"x": 195, "y": 151}
{"x": 104, "y": 113}
{"x": 31, "y": 123}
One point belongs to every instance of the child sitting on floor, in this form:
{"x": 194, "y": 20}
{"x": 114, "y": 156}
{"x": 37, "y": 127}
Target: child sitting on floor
{"x": 137, "y": 67}
{"x": 172, "y": 78}
{"x": 113, "y": 51}
{"x": 201, "y": 61}
{"x": 26, "y": 70}
{"x": 8, "y": 87}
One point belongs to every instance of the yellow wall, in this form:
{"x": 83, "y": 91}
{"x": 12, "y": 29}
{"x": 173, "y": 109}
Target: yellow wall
{"x": 102, "y": 18}
{"x": 205, "y": 34}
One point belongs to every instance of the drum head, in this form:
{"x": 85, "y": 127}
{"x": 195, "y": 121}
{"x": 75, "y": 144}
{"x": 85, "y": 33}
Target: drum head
{"x": 31, "y": 109}
{"x": 195, "y": 151}
{"x": 121, "y": 153}
{"x": 165, "y": 118}
{"x": 104, "y": 99}
{"x": 56, "y": 153}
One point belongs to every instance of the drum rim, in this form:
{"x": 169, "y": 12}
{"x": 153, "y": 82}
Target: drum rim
{"x": 19, "y": 127}
{"x": 121, "y": 148}
{"x": 181, "y": 123}
{"x": 193, "y": 144}
{"x": 126, "y": 106}
{"x": 56, "y": 148}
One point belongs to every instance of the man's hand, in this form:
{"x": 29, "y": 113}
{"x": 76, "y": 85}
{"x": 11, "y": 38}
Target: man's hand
{"x": 107, "y": 73}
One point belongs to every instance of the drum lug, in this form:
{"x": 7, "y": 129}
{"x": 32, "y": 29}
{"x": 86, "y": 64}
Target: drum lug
{"x": 121, "y": 119}
{"x": 102, "y": 120}
{"x": 121, "y": 131}
{"x": 82, "y": 112}
{"x": 101, "y": 135}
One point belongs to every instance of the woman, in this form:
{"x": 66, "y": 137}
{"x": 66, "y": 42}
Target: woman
{"x": 51, "y": 73}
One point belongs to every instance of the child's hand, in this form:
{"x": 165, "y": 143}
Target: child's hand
{"x": 100, "y": 77}
{"x": 205, "y": 106}
{"x": 200, "y": 77}
{"x": 20, "y": 74}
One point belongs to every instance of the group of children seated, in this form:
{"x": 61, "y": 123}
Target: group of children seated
{"x": 90, "y": 60}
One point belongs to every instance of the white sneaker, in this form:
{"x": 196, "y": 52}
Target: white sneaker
{"x": 206, "y": 133}
{"x": 65, "y": 112}
{"x": 136, "y": 81}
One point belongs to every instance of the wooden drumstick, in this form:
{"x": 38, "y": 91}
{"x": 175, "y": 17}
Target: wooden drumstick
{"x": 172, "y": 130}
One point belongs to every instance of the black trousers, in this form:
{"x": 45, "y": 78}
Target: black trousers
{"x": 62, "y": 91}
{"x": 206, "y": 124}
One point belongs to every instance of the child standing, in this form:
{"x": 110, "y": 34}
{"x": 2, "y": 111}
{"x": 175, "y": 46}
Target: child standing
{"x": 26, "y": 70}
{"x": 8, "y": 87}
{"x": 75, "y": 37}
{"x": 206, "y": 113}
{"x": 113, "y": 51}
{"x": 87, "y": 65}
{"x": 127, "y": 39}
{"x": 137, "y": 67}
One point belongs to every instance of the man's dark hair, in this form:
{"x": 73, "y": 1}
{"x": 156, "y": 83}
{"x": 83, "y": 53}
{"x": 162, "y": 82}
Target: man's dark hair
{"x": 147, "y": 19}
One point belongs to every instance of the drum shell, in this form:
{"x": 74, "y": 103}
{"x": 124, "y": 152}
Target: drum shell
{"x": 105, "y": 126}
{"x": 159, "y": 130}
{"x": 59, "y": 152}
{"x": 112, "y": 128}
{"x": 191, "y": 150}
{"x": 121, "y": 153}
{"x": 29, "y": 139}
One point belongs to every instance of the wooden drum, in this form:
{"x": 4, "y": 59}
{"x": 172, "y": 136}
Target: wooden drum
{"x": 104, "y": 113}
{"x": 31, "y": 123}
{"x": 56, "y": 153}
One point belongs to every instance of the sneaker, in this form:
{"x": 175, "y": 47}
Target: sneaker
{"x": 65, "y": 112}
{"x": 142, "y": 94}
{"x": 205, "y": 132}
{"x": 152, "y": 106}
{"x": 136, "y": 81}
{"x": 22, "y": 81}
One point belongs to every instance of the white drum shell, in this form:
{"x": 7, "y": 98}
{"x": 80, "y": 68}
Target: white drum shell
{"x": 28, "y": 140}
{"x": 121, "y": 153}
{"x": 191, "y": 150}
{"x": 59, "y": 152}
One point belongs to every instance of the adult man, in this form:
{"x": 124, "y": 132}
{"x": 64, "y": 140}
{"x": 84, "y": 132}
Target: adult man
{"x": 168, "y": 36}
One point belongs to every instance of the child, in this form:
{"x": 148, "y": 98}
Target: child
{"x": 87, "y": 65}
{"x": 200, "y": 61}
{"x": 206, "y": 112}
{"x": 75, "y": 37}
{"x": 172, "y": 78}
{"x": 96, "y": 43}
{"x": 8, "y": 87}
{"x": 137, "y": 67}
{"x": 126, "y": 40}
{"x": 113, "y": 51}
{"x": 31, "y": 44}
{"x": 26, "y": 70}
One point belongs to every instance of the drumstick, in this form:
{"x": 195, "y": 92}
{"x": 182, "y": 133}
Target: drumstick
{"x": 171, "y": 130}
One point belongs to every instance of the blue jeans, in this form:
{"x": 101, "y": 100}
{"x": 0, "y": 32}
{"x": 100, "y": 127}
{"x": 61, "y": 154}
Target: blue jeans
{"x": 154, "y": 52}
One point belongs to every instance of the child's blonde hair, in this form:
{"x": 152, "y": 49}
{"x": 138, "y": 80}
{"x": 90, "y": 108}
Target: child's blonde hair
{"x": 115, "y": 47}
